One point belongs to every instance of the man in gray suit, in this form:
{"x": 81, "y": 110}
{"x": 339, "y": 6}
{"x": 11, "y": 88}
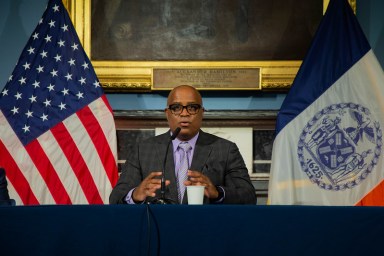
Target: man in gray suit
{"x": 216, "y": 162}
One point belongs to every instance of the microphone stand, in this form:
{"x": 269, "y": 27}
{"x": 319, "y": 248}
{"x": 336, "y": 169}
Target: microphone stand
{"x": 162, "y": 199}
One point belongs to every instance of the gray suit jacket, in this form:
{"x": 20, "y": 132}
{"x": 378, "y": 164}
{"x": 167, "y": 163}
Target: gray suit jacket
{"x": 218, "y": 158}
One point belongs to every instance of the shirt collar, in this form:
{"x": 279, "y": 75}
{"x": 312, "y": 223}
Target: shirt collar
{"x": 191, "y": 142}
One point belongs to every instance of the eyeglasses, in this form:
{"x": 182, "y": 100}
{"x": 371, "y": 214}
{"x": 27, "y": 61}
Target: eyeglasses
{"x": 177, "y": 109}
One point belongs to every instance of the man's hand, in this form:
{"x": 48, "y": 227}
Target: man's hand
{"x": 197, "y": 178}
{"x": 148, "y": 187}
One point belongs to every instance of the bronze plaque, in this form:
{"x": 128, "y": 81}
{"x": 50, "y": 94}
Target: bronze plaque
{"x": 207, "y": 79}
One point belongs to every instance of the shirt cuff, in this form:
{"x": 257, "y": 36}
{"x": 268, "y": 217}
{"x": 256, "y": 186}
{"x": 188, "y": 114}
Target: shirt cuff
{"x": 129, "y": 198}
{"x": 221, "y": 197}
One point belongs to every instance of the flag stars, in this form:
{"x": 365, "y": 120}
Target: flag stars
{"x": 40, "y": 83}
{"x": 62, "y": 106}
{"x": 51, "y": 87}
{"x": 22, "y": 80}
{"x": 35, "y": 36}
{"x": 65, "y": 92}
{"x": 82, "y": 80}
{"x": 61, "y": 43}
{"x": 44, "y": 54}
{"x": 57, "y": 57}
{"x": 51, "y": 23}
{"x": 64, "y": 28}
{"x": 44, "y": 117}
{"x": 54, "y": 72}
{"x": 96, "y": 84}
{"x": 36, "y": 84}
{"x": 15, "y": 110}
{"x": 68, "y": 76}
{"x": 26, "y": 128}
{"x": 48, "y": 38}
{"x": 55, "y": 8}
{"x": 26, "y": 66}
{"x": 10, "y": 78}
{"x": 71, "y": 62}
{"x": 43, "y": 61}
{"x": 75, "y": 46}
{"x": 41, "y": 21}
{"x": 80, "y": 95}
{"x": 31, "y": 50}
{"x": 47, "y": 103}
{"x": 33, "y": 99}
{"x": 40, "y": 69}
{"x": 29, "y": 114}
{"x": 85, "y": 65}
{"x": 18, "y": 96}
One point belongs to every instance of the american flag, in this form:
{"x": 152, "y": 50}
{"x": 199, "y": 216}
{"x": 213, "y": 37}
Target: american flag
{"x": 57, "y": 132}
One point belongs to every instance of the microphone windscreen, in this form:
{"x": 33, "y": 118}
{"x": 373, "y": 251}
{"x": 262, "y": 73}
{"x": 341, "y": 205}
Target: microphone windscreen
{"x": 175, "y": 133}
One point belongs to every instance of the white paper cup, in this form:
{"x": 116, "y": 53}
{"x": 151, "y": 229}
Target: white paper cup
{"x": 195, "y": 194}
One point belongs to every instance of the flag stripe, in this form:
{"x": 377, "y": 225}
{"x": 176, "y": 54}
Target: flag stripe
{"x": 92, "y": 126}
{"x": 104, "y": 98}
{"x": 47, "y": 171}
{"x": 374, "y": 197}
{"x": 19, "y": 167}
{"x": 92, "y": 117}
{"x": 83, "y": 140}
{"x": 62, "y": 167}
{"x": 16, "y": 177}
{"x": 77, "y": 163}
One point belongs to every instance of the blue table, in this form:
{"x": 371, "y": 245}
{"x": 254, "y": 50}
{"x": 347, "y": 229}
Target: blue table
{"x": 191, "y": 230}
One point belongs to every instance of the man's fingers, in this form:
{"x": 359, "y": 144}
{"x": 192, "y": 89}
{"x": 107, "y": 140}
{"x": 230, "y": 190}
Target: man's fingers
{"x": 153, "y": 175}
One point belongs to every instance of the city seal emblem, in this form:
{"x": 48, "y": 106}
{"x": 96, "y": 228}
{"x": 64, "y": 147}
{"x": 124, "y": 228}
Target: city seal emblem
{"x": 339, "y": 147}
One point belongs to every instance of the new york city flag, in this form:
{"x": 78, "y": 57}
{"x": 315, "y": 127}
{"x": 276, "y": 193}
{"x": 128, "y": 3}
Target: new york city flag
{"x": 328, "y": 145}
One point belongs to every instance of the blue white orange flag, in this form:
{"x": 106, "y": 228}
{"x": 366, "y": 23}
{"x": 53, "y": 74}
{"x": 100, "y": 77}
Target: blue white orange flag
{"x": 57, "y": 132}
{"x": 328, "y": 145}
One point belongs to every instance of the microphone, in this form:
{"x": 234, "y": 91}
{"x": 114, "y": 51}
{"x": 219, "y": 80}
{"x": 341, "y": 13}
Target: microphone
{"x": 162, "y": 199}
{"x": 174, "y": 134}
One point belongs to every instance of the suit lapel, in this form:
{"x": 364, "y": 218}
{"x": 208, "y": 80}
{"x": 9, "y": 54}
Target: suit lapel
{"x": 202, "y": 152}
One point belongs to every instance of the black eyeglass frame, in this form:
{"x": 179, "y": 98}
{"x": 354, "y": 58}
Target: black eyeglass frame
{"x": 185, "y": 107}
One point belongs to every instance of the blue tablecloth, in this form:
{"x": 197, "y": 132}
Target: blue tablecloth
{"x": 191, "y": 230}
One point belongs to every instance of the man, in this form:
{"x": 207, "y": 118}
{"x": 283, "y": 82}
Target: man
{"x": 216, "y": 163}
{"x": 4, "y": 196}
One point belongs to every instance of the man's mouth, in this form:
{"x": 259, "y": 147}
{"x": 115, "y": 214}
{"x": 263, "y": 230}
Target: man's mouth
{"x": 184, "y": 124}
